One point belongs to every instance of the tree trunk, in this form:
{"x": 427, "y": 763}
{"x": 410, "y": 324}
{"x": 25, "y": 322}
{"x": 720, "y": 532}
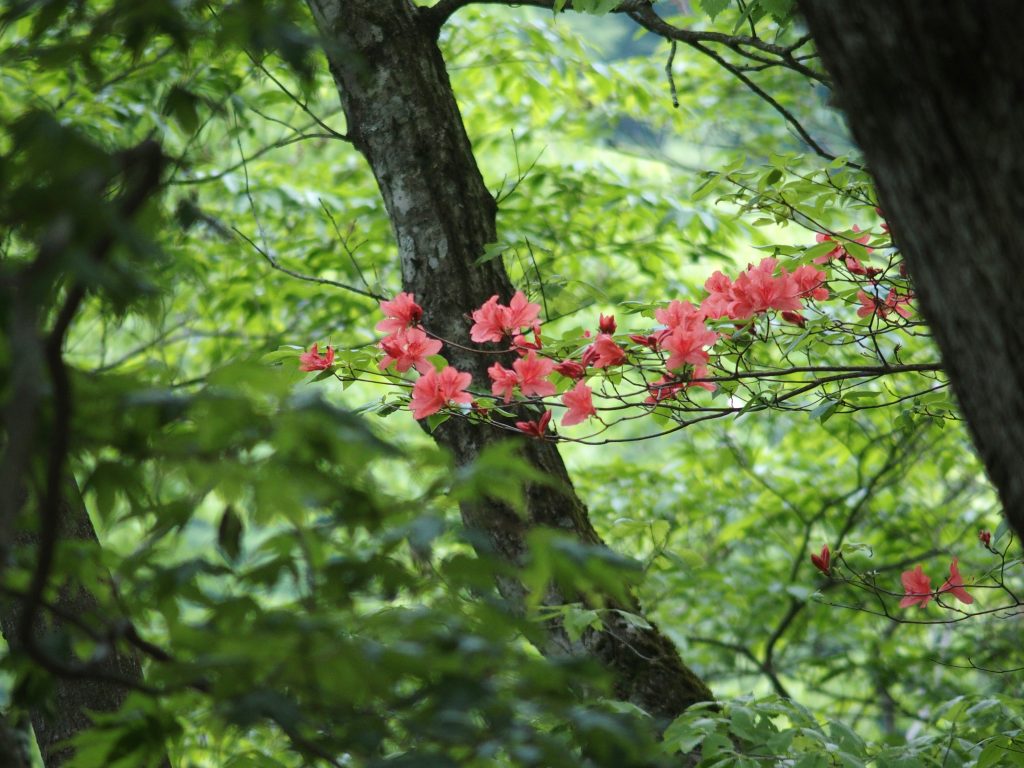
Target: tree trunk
{"x": 934, "y": 93}
{"x": 15, "y": 742}
{"x": 402, "y": 115}
{"x": 73, "y": 698}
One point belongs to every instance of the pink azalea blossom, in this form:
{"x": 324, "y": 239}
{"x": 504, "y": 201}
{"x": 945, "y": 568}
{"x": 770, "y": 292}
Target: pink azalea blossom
{"x": 490, "y": 321}
{"x": 494, "y": 321}
{"x": 810, "y": 282}
{"x": 686, "y": 345}
{"x": 679, "y": 313}
{"x": 918, "y": 587}
{"x": 669, "y": 386}
{"x": 504, "y": 381}
{"x": 606, "y": 324}
{"x": 434, "y": 391}
{"x": 536, "y": 428}
{"x": 532, "y": 374}
{"x": 663, "y": 389}
{"x": 606, "y": 352}
{"x": 409, "y": 349}
{"x": 757, "y": 290}
{"x": 954, "y": 585}
{"x": 521, "y": 313}
{"x": 522, "y": 345}
{"x": 580, "y": 404}
{"x": 402, "y": 312}
{"x": 314, "y": 361}
{"x": 894, "y": 302}
{"x": 720, "y": 289}
{"x": 840, "y": 252}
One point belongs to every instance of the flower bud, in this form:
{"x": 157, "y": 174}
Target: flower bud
{"x": 606, "y": 323}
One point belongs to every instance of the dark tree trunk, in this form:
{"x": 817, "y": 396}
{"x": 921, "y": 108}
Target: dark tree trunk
{"x": 15, "y": 742}
{"x": 73, "y": 698}
{"x": 403, "y": 117}
{"x": 934, "y": 93}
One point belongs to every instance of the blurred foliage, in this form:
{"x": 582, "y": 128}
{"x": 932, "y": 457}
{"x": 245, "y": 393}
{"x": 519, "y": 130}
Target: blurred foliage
{"x": 297, "y": 564}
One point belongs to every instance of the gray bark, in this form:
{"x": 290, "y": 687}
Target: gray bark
{"x": 934, "y": 94}
{"x": 403, "y": 117}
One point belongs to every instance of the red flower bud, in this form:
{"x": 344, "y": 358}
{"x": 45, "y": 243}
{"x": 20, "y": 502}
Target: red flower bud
{"x": 571, "y": 369}
{"x": 794, "y": 317}
{"x": 646, "y": 341}
{"x": 536, "y": 428}
{"x": 607, "y": 324}
{"x": 822, "y": 562}
{"x": 985, "y": 537}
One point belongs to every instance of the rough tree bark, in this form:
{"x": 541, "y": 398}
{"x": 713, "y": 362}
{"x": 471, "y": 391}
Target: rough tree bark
{"x": 402, "y": 116}
{"x": 934, "y": 93}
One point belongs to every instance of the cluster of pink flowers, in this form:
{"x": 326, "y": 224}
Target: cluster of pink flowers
{"x": 893, "y": 302}
{"x": 758, "y": 289}
{"x": 495, "y": 322}
{"x": 840, "y": 253}
{"x": 682, "y": 342}
{"x": 917, "y": 584}
{"x": 918, "y": 587}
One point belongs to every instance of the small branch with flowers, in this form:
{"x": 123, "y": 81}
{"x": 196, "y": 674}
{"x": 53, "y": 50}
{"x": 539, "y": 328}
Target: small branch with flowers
{"x": 746, "y": 346}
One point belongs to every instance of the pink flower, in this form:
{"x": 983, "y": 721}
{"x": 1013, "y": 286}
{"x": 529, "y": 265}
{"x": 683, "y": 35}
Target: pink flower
{"x": 314, "y": 361}
{"x": 720, "y": 289}
{"x": 571, "y": 369}
{"x": 494, "y": 321}
{"x": 522, "y": 345}
{"x": 822, "y": 562}
{"x": 985, "y": 537}
{"x": 955, "y": 584}
{"x": 434, "y": 391}
{"x": 606, "y": 352}
{"x": 663, "y": 389}
{"x": 606, "y": 324}
{"x": 490, "y": 321}
{"x": 669, "y": 386}
{"x": 580, "y": 403}
{"x": 536, "y": 428}
{"x": 757, "y": 290}
{"x": 533, "y": 372}
{"x": 521, "y": 313}
{"x": 504, "y": 381}
{"x": 679, "y": 313}
{"x": 686, "y": 345}
{"x": 918, "y": 587}
{"x": 402, "y": 312}
{"x": 894, "y": 302}
{"x": 839, "y": 252}
{"x": 409, "y": 349}
{"x": 810, "y": 282}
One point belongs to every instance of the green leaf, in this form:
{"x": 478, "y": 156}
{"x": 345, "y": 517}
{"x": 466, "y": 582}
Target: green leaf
{"x": 229, "y": 533}
{"x": 714, "y": 7}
